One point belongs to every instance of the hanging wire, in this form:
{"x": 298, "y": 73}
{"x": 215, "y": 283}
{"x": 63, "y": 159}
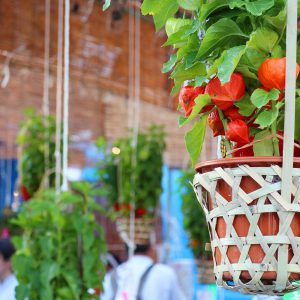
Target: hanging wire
{"x": 66, "y": 95}
{"x": 46, "y": 84}
{"x": 133, "y": 107}
{"x": 59, "y": 85}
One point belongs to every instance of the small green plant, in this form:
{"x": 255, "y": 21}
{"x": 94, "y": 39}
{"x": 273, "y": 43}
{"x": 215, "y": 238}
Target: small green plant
{"x": 132, "y": 176}
{"x": 194, "y": 218}
{"x": 35, "y": 133}
{"x": 60, "y": 254}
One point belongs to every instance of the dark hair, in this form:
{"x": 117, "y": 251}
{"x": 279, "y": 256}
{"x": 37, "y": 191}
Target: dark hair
{"x": 7, "y": 249}
{"x": 141, "y": 249}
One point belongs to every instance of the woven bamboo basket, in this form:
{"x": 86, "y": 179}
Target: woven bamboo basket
{"x": 143, "y": 228}
{"x": 205, "y": 271}
{"x": 255, "y": 233}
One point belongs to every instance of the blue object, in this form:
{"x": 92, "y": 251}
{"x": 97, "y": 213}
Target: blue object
{"x": 8, "y": 178}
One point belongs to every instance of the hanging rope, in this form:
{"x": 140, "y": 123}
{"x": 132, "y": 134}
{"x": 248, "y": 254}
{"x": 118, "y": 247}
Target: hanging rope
{"x": 46, "y": 83}
{"x": 59, "y": 85}
{"x": 290, "y": 91}
{"x": 66, "y": 95}
{"x": 131, "y": 112}
{"x": 133, "y": 107}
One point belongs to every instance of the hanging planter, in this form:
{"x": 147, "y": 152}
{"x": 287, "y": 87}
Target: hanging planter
{"x": 131, "y": 178}
{"x": 254, "y": 231}
{"x": 242, "y": 67}
{"x": 35, "y": 138}
{"x": 142, "y": 228}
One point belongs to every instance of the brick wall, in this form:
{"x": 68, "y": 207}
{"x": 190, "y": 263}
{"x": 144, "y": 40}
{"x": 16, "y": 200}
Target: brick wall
{"x": 98, "y": 79}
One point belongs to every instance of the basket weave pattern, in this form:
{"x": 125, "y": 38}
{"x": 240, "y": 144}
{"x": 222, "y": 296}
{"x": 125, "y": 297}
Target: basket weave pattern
{"x": 279, "y": 266}
{"x": 143, "y": 227}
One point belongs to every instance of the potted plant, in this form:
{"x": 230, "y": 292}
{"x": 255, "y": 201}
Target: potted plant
{"x": 60, "y": 254}
{"x": 36, "y": 134}
{"x": 131, "y": 178}
{"x": 229, "y": 67}
{"x": 195, "y": 225}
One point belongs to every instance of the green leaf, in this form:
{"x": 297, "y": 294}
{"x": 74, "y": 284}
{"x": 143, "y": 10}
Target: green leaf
{"x": 264, "y": 147}
{"x": 189, "y": 4}
{"x": 256, "y": 8}
{"x": 181, "y": 121}
{"x": 168, "y": 66}
{"x": 174, "y": 24}
{"x": 278, "y": 21}
{"x": 209, "y": 8}
{"x": 246, "y": 108}
{"x": 263, "y": 39}
{"x": 267, "y": 117}
{"x": 199, "y": 80}
{"x": 261, "y": 97}
{"x": 231, "y": 59}
{"x": 106, "y": 4}
{"x": 250, "y": 62}
{"x": 160, "y": 10}
{"x": 180, "y": 74}
{"x": 194, "y": 139}
{"x": 178, "y": 38}
{"x": 201, "y": 101}
{"x": 220, "y": 33}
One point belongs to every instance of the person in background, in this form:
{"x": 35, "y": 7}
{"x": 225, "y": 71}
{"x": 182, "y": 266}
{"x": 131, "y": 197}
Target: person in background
{"x": 8, "y": 281}
{"x": 140, "y": 278}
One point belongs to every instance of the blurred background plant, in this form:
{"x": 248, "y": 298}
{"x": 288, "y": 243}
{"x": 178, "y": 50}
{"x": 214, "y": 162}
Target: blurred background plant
{"x": 194, "y": 218}
{"x": 60, "y": 254}
{"x": 133, "y": 175}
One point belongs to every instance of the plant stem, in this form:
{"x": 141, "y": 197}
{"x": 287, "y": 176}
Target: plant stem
{"x": 274, "y": 131}
{"x": 224, "y": 121}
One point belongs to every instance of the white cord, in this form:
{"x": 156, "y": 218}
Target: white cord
{"x": 131, "y": 113}
{"x": 59, "y": 81}
{"x": 66, "y": 95}
{"x": 46, "y": 82}
{"x": 290, "y": 92}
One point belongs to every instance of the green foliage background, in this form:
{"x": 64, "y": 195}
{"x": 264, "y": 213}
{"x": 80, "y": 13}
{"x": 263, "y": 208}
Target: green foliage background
{"x": 139, "y": 182}
{"x": 35, "y": 133}
{"x": 194, "y": 218}
{"x": 59, "y": 253}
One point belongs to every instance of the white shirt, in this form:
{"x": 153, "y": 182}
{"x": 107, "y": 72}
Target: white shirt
{"x": 7, "y": 288}
{"x": 160, "y": 284}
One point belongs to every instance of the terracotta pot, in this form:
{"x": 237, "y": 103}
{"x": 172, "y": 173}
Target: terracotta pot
{"x": 268, "y": 222}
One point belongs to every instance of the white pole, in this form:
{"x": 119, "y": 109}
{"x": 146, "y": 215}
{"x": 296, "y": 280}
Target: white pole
{"x": 290, "y": 90}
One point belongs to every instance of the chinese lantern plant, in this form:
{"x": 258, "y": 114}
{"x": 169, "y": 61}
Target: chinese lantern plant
{"x": 60, "y": 252}
{"x": 132, "y": 178}
{"x": 228, "y": 66}
{"x": 194, "y": 218}
{"x": 36, "y": 131}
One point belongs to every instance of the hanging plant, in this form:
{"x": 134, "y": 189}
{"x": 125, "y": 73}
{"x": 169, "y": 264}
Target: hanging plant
{"x": 36, "y": 133}
{"x": 131, "y": 177}
{"x": 234, "y": 50}
{"x": 60, "y": 254}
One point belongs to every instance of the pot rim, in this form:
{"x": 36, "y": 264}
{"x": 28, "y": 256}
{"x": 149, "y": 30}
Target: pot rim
{"x": 253, "y": 160}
